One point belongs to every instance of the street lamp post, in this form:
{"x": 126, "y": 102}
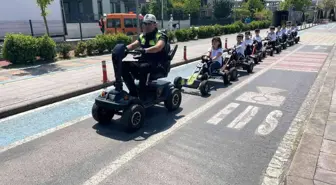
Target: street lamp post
{"x": 161, "y": 14}
{"x": 137, "y": 16}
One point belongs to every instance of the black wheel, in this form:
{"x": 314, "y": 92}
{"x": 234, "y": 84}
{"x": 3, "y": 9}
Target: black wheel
{"x": 205, "y": 76}
{"x": 133, "y": 117}
{"x": 226, "y": 78}
{"x": 204, "y": 88}
{"x": 250, "y": 68}
{"x": 264, "y": 54}
{"x": 233, "y": 74}
{"x": 271, "y": 52}
{"x": 260, "y": 58}
{"x": 173, "y": 100}
{"x": 256, "y": 60}
{"x": 178, "y": 82}
{"x": 101, "y": 115}
{"x": 278, "y": 50}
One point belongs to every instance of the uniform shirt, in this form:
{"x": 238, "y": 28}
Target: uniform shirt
{"x": 279, "y": 34}
{"x": 257, "y": 38}
{"x": 289, "y": 31}
{"x": 214, "y": 54}
{"x": 241, "y": 48}
{"x": 283, "y": 31}
{"x": 145, "y": 41}
{"x": 248, "y": 42}
{"x": 271, "y": 36}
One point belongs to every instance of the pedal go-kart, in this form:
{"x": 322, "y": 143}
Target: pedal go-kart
{"x": 202, "y": 73}
{"x": 290, "y": 39}
{"x": 296, "y": 37}
{"x": 283, "y": 42}
{"x": 132, "y": 109}
{"x": 255, "y": 55}
{"x": 270, "y": 48}
{"x": 261, "y": 52}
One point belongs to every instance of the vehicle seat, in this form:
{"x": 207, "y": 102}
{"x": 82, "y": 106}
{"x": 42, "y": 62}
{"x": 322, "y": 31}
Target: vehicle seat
{"x": 162, "y": 70}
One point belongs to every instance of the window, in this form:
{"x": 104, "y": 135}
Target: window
{"x": 135, "y": 23}
{"x": 80, "y": 7}
{"x": 128, "y": 23}
{"x": 100, "y": 8}
{"x": 113, "y": 23}
{"x": 66, "y": 10}
{"x": 112, "y": 6}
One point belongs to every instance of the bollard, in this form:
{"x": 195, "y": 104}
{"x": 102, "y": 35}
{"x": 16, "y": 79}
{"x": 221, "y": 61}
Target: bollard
{"x": 104, "y": 71}
{"x": 185, "y": 53}
{"x": 225, "y": 43}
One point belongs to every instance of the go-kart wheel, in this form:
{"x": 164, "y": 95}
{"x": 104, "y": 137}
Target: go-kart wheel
{"x": 205, "y": 76}
{"x": 278, "y": 50}
{"x": 233, "y": 74}
{"x": 178, "y": 82}
{"x": 133, "y": 117}
{"x": 173, "y": 100}
{"x": 204, "y": 88}
{"x": 101, "y": 115}
{"x": 226, "y": 78}
{"x": 264, "y": 54}
{"x": 250, "y": 68}
{"x": 256, "y": 60}
{"x": 271, "y": 52}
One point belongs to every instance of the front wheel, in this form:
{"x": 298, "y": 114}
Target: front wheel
{"x": 133, "y": 117}
{"x": 233, "y": 74}
{"x": 173, "y": 100}
{"x": 250, "y": 68}
{"x": 178, "y": 82}
{"x": 101, "y": 115}
{"x": 204, "y": 88}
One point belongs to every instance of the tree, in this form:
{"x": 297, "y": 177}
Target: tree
{"x": 263, "y": 14}
{"x": 43, "y": 4}
{"x": 144, "y": 9}
{"x": 297, "y": 4}
{"x": 192, "y": 7}
{"x": 222, "y": 8}
{"x": 255, "y": 5}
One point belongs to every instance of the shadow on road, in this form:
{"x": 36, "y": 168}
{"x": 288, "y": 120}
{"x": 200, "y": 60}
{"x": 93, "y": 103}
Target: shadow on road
{"x": 158, "y": 119}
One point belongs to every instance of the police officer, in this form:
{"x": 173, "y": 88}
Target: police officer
{"x": 152, "y": 43}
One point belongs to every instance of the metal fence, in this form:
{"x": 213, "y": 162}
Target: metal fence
{"x": 32, "y": 27}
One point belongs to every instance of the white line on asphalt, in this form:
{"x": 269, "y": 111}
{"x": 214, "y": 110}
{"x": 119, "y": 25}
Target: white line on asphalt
{"x": 270, "y": 123}
{"x": 150, "y": 142}
{"x": 223, "y": 113}
{"x": 244, "y": 117}
{"x": 44, "y": 133}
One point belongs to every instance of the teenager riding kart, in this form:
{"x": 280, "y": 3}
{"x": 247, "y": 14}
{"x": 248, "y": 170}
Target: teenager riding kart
{"x": 250, "y": 48}
{"x": 238, "y": 55}
{"x": 259, "y": 49}
{"x": 280, "y": 38}
{"x": 290, "y": 38}
{"x": 152, "y": 63}
{"x": 284, "y": 37}
{"x": 271, "y": 43}
{"x": 295, "y": 33}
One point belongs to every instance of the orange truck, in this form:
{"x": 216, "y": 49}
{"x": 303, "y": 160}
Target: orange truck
{"x": 122, "y": 23}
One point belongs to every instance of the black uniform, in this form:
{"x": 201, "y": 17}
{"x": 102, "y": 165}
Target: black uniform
{"x": 146, "y": 64}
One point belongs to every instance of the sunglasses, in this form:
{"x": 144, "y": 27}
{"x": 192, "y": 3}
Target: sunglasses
{"x": 147, "y": 23}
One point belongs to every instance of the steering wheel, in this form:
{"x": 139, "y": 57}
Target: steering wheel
{"x": 137, "y": 54}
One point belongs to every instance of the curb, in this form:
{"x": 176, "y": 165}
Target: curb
{"x": 40, "y": 103}
{"x": 276, "y": 172}
{"x": 44, "y": 102}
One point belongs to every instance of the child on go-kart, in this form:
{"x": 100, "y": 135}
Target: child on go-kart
{"x": 240, "y": 47}
{"x": 215, "y": 53}
{"x": 257, "y": 39}
{"x": 271, "y": 36}
{"x": 248, "y": 44}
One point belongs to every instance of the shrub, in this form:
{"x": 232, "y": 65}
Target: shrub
{"x": 19, "y": 48}
{"x": 182, "y": 35}
{"x": 64, "y": 49}
{"x": 171, "y": 36}
{"x": 91, "y": 46}
{"x": 46, "y": 48}
{"x": 217, "y": 30}
{"x": 194, "y": 33}
{"x": 122, "y": 38}
{"x": 101, "y": 43}
{"x": 80, "y": 49}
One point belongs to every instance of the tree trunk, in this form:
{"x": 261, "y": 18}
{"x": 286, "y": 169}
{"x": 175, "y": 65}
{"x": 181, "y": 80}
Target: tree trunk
{"x": 46, "y": 23}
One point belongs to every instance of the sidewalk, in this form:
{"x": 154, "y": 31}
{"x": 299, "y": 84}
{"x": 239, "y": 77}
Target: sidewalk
{"x": 314, "y": 162}
{"x": 29, "y": 88}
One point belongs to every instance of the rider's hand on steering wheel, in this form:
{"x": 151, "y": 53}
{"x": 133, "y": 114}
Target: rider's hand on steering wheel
{"x": 141, "y": 51}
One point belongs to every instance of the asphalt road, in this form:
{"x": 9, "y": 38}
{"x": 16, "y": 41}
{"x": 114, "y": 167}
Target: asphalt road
{"x": 226, "y": 138}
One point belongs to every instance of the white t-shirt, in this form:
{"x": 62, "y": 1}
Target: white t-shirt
{"x": 241, "y": 48}
{"x": 248, "y": 42}
{"x": 257, "y": 38}
{"x": 272, "y": 36}
{"x": 214, "y": 53}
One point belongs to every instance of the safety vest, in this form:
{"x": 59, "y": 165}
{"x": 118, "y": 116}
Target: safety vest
{"x": 151, "y": 42}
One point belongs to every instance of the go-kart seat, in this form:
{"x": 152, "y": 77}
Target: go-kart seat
{"x": 162, "y": 70}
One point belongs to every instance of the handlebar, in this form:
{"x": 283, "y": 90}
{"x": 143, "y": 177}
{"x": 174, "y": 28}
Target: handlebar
{"x": 133, "y": 52}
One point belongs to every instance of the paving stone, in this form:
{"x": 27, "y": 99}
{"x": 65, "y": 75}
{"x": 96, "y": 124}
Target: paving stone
{"x": 332, "y": 116}
{"x": 328, "y": 147}
{"x": 293, "y": 180}
{"x": 310, "y": 143}
{"x": 303, "y": 165}
{"x": 320, "y": 183}
{"x": 325, "y": 176}
{"x": 330, "y": 132}
{"x": 315, "y": 127}
{"x": 327, "y": 161}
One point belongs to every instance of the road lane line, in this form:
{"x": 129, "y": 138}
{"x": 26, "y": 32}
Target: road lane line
{"x": 243, "y": 118}
{"x": 223, "y": 113}
{"x": 44, "y": 133}
{"x": 150, "y": 142}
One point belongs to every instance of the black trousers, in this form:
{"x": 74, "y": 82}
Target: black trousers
{"x": 136, "y": 70}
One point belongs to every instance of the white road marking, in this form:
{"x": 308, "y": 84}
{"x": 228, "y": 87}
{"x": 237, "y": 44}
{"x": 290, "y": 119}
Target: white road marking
{"x": 223, "y": 113}
{"x": 265, "y": 96}
{"x": 270, "y": 123}
{"x": 244, "y": 117}
{"x": 44, "y": 133}
{"x": 150, "y": 142}
{"x": 319, "y": 47}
